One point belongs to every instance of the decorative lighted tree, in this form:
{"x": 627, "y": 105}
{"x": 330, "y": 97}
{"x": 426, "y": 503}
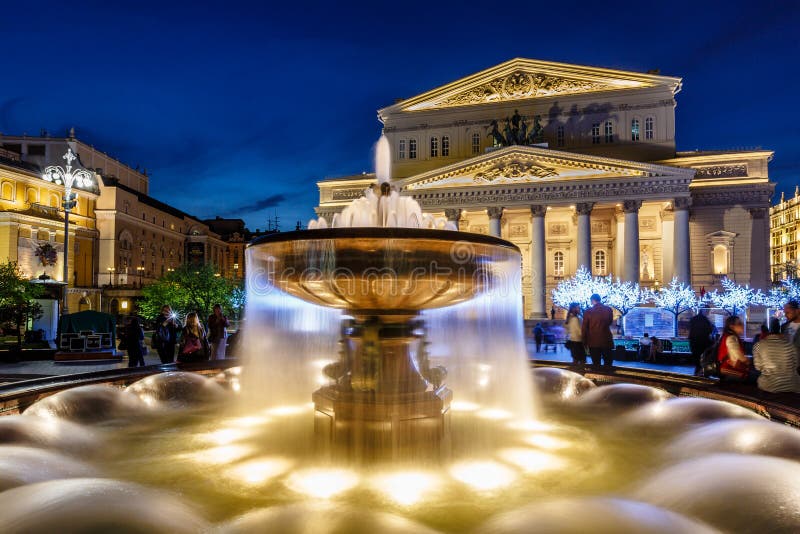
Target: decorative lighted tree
{"x": 624, "y": 296}
{"x": 579, "y": 289}
{"x": 734, "y": 298}
{"x": 778, "y": 296}
{"x": 676, "y": 298}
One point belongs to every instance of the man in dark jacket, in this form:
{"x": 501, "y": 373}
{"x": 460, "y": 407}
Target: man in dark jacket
{"x": 700, "y": 331}
{"x": 596, "y": 332}
{"x": 166, "y": 335}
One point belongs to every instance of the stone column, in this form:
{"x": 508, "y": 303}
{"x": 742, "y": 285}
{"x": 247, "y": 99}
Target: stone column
{"x": 584, "y": 211}
{"x": 453, "y": 215}
{"x": 630, "y": 269}
{"x": 495, "y": 214}
{"x": 680, "y": 252}
{"x": 538, "y": 273}
{"x": 667, "y": 245}
{"x": 759, "y": 249}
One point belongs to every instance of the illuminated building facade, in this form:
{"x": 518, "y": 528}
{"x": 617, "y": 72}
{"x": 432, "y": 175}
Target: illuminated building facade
{"x": 577, "y": 166}
{"x": 784, "y": 236}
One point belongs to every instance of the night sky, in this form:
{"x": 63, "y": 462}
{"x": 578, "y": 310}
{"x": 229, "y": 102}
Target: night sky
{"x": 238, "y": 108}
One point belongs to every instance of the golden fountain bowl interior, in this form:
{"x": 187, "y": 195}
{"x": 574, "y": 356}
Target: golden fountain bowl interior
{"x": 379, "y": 271}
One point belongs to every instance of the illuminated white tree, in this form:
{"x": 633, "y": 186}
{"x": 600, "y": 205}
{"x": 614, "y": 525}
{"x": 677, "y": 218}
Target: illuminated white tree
{"x": 624, "y": 296}
{"x": 676, "y": 298}
{"x": 734, "y": 298}
{"x": 579, "y": 289}
{"x": 778, "y": 296}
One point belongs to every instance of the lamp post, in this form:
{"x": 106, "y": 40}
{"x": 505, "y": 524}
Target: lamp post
{"x": 67, "y": 177}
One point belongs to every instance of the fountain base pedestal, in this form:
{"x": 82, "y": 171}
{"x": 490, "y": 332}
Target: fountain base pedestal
{"x": 371, "y": 426}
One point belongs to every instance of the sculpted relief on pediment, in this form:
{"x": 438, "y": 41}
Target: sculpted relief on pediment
{"x": 513, "y": 171}
{"x": 520, "y": 85}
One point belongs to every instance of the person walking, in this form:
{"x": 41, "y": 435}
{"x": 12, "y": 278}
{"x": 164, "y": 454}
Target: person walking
{"x": 166, "y": 335}
{"x": 134, "y": 339}
{"x": 596, "y": 332}
{"x": 217, "y": 333}
{"x": 700, "y": 338}
{"x": 734, "y": 364}
{"x": 776, "y": 359}
{"x": 574, "y": 340}
{"x": 538, "y": 336}
{"x": 193, "y": 346}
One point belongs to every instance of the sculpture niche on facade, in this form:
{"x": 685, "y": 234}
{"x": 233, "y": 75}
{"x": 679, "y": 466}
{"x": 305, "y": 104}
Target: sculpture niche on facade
{"x": 516, "y": 131}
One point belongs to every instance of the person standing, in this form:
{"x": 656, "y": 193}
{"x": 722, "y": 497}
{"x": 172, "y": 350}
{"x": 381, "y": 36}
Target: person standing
{"x": 700, "y": 333}
{"x": 646, "y": 348}
{"x": 538, "y": 336}
{"x": 193, "y": 346}
{"x": 776, "y": 359}
{"x": 134, "y": 338}
{"x": 166, "y": 334}
{"x": 596, "y": 332}
{"x": 792, "y": 325}
{"x": 574, "y": 340}
{"x": 218, "y": 333}
{"x": 734, "y": 365}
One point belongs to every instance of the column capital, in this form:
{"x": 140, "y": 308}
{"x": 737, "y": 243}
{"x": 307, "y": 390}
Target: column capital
{"x": 538, "y": 210}
{"x": 681, "y": 203}
{"x": 631, "y": 206}
{"x": 584, "y": 208}
{"x": 453, "y": 214}
{"x": 495, "y": 212}
{"x": 758, "y": 213}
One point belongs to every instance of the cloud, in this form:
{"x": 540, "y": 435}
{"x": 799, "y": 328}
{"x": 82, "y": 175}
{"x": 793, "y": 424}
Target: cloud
{"x": 268, "y": 202}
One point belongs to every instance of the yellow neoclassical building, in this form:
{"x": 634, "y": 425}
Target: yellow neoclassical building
{"x": 577, "y": 166}
{"x": 32, "y": 229}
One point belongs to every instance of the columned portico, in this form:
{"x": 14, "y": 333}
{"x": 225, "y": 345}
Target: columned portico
{"x": 495, "y": 215}
{"x": 584, "y": 256}
{"x": 538, "y": 272}
{"x": 681, "y": 268}
{"x": 630, "y": 270}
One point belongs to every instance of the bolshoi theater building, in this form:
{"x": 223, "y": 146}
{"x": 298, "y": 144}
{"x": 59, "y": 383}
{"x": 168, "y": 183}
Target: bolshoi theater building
{"x": 577, "y": 166}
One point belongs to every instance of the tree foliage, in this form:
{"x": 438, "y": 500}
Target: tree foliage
{"x": 17, "y": 298}
{"x": 191, "y": 289}
{"x": 622, "y": 296}
{"x": 734, "y": 298}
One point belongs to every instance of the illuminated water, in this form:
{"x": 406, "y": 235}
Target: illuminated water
{"x": 245, "y": 471}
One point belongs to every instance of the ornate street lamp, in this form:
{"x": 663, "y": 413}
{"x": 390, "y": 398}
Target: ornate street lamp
{"x": 67, "y": 177}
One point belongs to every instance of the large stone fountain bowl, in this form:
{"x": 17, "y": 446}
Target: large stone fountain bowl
{"x": 380, "y": 271}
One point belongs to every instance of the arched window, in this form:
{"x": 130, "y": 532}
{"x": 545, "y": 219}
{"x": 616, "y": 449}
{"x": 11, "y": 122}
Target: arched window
{"x": 32, "y": 195}
{"x": 401, "y": 149}
{"x": 8, "y": 191}
{"x": 720, "y": 259}
{"x": 609, "y": 131}
{"x": 434, "y": 147}
{"x": 445, "y": 146}
{"x": 649, "y": 127}
{"x": 634, "y": 129}
{"x": 55, "y": 201}
{"x": 558, "y": 263}
{"x": 560, "y": 135}
{"x": 476, "y": 143}
{"x": 600, "y": 263}
{"x": 412, "y": 149}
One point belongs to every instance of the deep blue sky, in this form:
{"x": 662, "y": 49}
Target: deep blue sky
{"x": 237, "y": 108}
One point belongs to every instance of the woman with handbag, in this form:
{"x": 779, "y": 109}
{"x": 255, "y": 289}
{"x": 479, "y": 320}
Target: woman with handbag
{"x": 193, "y": 346}
{"x": 574, "y": 341}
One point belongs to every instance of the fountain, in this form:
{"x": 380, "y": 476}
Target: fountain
{"x": 385, "y": 387}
